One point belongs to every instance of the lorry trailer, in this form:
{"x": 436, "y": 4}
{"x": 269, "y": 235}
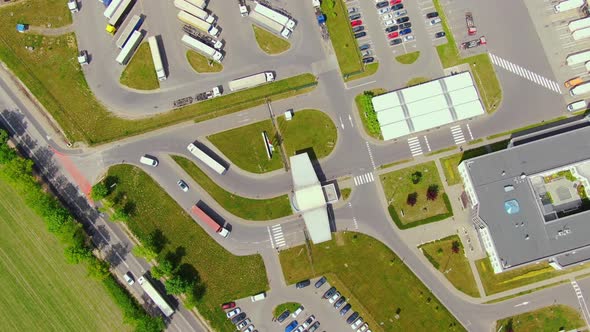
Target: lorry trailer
{"x": 251, "y": 81}
{"x": 206, "y": 159}
{"x": 578, "y": 58}
{"x": 194, "y": 10}
{"x": 131, "y": 26}
{"x": 204, "y": 217}
{"x": 581, "y": 34}
{"x": 155, "y": 50}
{"x": 108, "y": 13}
{"x": 471, "y": 28}
{"x": 153, "y": 293}
{"x": 202, "y": 48}
{"x": 198, "y": 23}
{"x": 129, "y": 48}
{"x": 199, "y": 3}
{"x": 273, "y": 26}
{"x": 275, "y": 16}
{"x": 579, "y": 24}
{"x": 568, "y": 5}
{"x": 118, "y": 15}
{"x": 581, "y": 89}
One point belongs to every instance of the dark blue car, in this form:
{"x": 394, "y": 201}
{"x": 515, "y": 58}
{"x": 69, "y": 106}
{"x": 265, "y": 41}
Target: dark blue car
{"x": 291, "y": 326}
{"x": 405, "y": 31}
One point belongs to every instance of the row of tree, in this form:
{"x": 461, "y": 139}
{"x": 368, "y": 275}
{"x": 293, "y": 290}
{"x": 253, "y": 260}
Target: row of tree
{"x": 18, "y": 172}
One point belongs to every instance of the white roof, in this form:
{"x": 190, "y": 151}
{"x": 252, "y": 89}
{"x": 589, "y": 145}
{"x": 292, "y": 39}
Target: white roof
{"x": 427, "y": 105}
{"x": 318, "y": 225}
{"x": 395, "y": 130}
{"x": 310, "y": 198}
{"x": 385, "y": 101}
{"x": 394, "y": 115}
{"x": 302, "y": 171}
{"x": 431, "y": 120}
{"x": 421, "y": 91}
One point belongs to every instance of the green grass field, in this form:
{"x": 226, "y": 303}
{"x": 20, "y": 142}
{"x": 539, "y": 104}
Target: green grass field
{"x": 308, "y": 129}
{"x": 454, "y": 266}
{"x": 374, "y": 279}
{"x": 139, "y": 73}
{"x": 201, "y": 64}
{"x": 408, "y": 58}
{"x": 250, "y": 155}
{"x": 369, "y": 70}
{"x": 417, "y": 80}
{"x": 450, "y": 163}
{"x": 243, "y": 207}
{"x": 548, "y": 319}
{"x": 226, "y": 277}
{"x": 269, "y": 43}
{"x": 398, "y": 185}
{"x": 40, "y": 291}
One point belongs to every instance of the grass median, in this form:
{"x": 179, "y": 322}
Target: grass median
{"x": 201, "y": 64}
{"x": 140, "y": 73}
{"x": 40, "y": 291}
{"x": 553, "y": 318}
{"x": 408, "y": 58}
{"x": 226, "y": 277}
{"x": 308, "y": 130}
{"x": 374, "y": 280}
{"x": 269, "y": 43}
{"x": 243, "y": 207}
{"x": 53, "y": 75}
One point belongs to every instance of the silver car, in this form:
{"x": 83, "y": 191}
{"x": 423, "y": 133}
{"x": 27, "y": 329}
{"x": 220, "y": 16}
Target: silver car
{"x": 401, "y": 13}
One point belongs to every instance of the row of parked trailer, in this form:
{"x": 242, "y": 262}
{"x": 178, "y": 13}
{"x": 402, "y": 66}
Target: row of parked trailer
{"x": 273, "y": 20}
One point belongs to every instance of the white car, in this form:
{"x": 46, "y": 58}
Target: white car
{"x": 301, "y": 328}
{"x": 334, "y": 297}
{"x": 384, "y": 10}
{"x": 232, "y": 313}
{"x": 356, "y": 323}
{"x": 386, "y": 17}
{"x": 408, "y": 38}
{"x": 129, "y": 278}
{"x": 364, "y": 328}
{"x": 183, "y": 186}
{"x": 401, "y": 13}
{"x": 249, "y": 328}
{"x": 388, "y": 23}
{"x": 297, "y": 312}
{"x": 435, "y": 21}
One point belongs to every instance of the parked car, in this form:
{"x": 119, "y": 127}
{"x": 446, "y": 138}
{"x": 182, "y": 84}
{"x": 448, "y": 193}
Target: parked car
{"x": 228, "y": 305}
{"x": 405, "y": 31}
{"x": 243, "y": 324}
{"x": 402, "y": 20}
{"x": 401, "y": 13}
{"x": 329, "y": 292}
{"x": 238, "y": 318}
{"x": 354, "y": 17}
{"x": 129, "y": 278}
{"x": 291, "y": 326}
{"x": 340, "y": 302}
{"x": 366, "y": 53}
{"x": 183, "y": 186}
{"x": 364, "y": 328}
{"x": 249, "y": 329}
{"x": 388, "y": 23}
{"x": 432, "y": 15}
{"x": 360, "y": 34}
{"x": 392, "y": 35}
{"x": 301, "y": 328}
{"x": 303, "y": 284}
{"x": 283, "y": 316}
{"x": 320, "y": 282}
{"x": 405, "y": 25}
{"x": 234, "y": 312}
{"x": 398, "y": 6}
{"x": 408, "y": 38}
{"x": 395, "y": 41}
{"x": 352, "y": 10}
{"x": 573, "y": 82}
{"x": 345, "y": 309}
{"x": 308, "y": 321}
{"x": 297, "y": 312}
{"x": 392, "y": 28}
{"x": 356, "y": 23}
{"x": 435, "y": 21}
{"x": 358, "y": 28}
{"x": 394, "y": 2}
{"x": 334, "y": 297}
{"x": 357, "y": 323}
{"x": 383, "y": 10}
{"x": 386, "y": 17}
{"x": 440, "y": 34}
{"x": 314, "y": 327}
{"x": 352, "y": 318}
{"x": 382, "y": 4}
{"x": 368, "y": 60}
{"x": 364, "y": 47}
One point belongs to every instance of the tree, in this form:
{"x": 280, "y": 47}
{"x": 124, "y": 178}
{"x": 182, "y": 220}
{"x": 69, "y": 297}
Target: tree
{"x": 98, "y": 269}
{"x": 3, "y": 136}
{"x": 6, "y": 154}
{"x": 120, "y": 215}
{"x": 412, "y": 199}
{"x": 432, "y": 192}
{"x": 178, "y": 285}
{"x": 99, "y": 191}
{"x": 456, "y": 246}
{"x": 75, "y": 255}
{"x": 416, "y": 177}
{"x": 165, "y": 268}
{"x": 150, "y": 324}
{"x": 145, "y": 252}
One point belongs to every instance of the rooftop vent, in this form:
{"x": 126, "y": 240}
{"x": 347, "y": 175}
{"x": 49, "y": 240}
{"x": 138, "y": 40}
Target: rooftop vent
{"x": 508, "y": 188}
{"x": 526, "y": 237}
{"x": 503, "y": 172}
{"x": 523, "y": 175}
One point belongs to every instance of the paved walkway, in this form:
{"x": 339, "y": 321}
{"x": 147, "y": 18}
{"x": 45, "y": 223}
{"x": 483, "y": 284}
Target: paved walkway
{"x": 48, "y": 31}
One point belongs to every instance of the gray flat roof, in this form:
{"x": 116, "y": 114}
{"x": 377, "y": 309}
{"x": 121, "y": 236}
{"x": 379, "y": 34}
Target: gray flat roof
{"x": 490, "y": 174}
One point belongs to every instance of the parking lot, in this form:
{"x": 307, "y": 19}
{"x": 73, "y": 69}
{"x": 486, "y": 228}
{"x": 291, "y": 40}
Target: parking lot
{"x": 362, "y": 30}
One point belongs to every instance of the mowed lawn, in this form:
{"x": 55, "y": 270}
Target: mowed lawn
{"x": 308, "y": 130}
{"x": 40, "y": 291}
{"x": 454, "y": 266}
{"x": 245, "y": 148}
{"x": 377, "y": 281}
{"x": 226, "y": 277}
{"x": 140, "y": 73}
{"x": 343, "y": 41}
{"x": 269, "y": 42}
{"x": 548, "y": 319}
{"x": 202, "y": 64}
{"x": 398, "y": 184}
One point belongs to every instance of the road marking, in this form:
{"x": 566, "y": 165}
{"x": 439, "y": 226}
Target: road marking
{"x": 370, "y": 155}
{"x": 356, "y": 86}
{"x": 469, "y": 131}
{"x": 278, "y": 236}
{"x": 350, "y": 119}
{"x": 364, "y": 178}
{"x": 427, "y": 144}
{"x": 415, "y": 147}
{"x": 521, "y": 304}
{"x": 272, "y": 245}
{"x": 525, "y": 73}
{"x": 457, "y": 134}
{"x": 356, "y": 225}
{"x": 582, "y": 302}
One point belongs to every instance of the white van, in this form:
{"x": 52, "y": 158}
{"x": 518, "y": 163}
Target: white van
{"x": 147, "y": 160}
{"x": 258, "y": 297}
{"x": 577, "y": 106}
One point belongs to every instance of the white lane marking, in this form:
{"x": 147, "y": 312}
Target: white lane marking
{"x": 525, "y": 73}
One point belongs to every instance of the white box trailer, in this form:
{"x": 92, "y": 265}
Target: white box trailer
{"x": 198, "y": 23}
{"x": 108, "y": 13}
{"x": 199, "y": 3}
{"x": 129, "y": 48}
{"x": 581, "y": 89}
{"x": 153, "y": 293}
{"x": 131, "y": 26}
{"x": 202, "y": 48}
{"x": 273, "y": 26}
{"x": 206, "y": 159}
{"x": 155, "y": 50}
{"x": 114, "y": 20}
{"x": 274, "y": 15}
{"x": 579, "y": 24}
{"x": 251, "y": 81}
{"x": 568, "y": 5}
{"x": 194, "y": 10}
{"x": 578, "y": 58}
{"x": 581, "y": 34}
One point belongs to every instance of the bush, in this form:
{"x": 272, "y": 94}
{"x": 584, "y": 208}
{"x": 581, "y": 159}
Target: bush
{"x": 369, "y": 112}
{"x": 99, "y": 191}
{"x": 432, "y": 192}
{"x": 412, "y": 199}
{"x": 416, "y": 177}
{"x": 178, "y": 285}
{"x": 120, "y": 215}
{"x": 456, "y": 246}
{"x": 145, "y": 252}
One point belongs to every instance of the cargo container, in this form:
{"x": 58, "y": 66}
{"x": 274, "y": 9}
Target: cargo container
{"x": 131, "y": 26}
{"x": 581, "y": 34}
{"x": 251, "y": 81}
{"x": 153, "y": 293}
{"x": 568, "y": 5}
{"x": 199, "y": 3}
{"x": 205, "y": 218}
{"x": 194, "y": 10}
{"x": 111, "y": 8}
{"x": 273, "y": 26}
{"x": 115, "y": 20}
{"x": 581, "y": 89}
{"x": 579, "y": 24}
{"x": 206, "y": 159}
{"x": 578, "y": 58}
{"x": 274, "y": 15}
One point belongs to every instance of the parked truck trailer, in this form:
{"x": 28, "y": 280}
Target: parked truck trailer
{"x": 251, "y": 81}
{"x": 273, "y": 26}
{"x": 199, "y": 3}
{"x": 198, "y": 23}
{"x": 153, "y": 293}
{"x": 131, "y": 26}
{"x": 111, "y": 8}
{"x": 578, "y": 58}
{"x": 194, "y": 10}
{"x": 202, "y": 48}
{"x": 581, "y": 34}
{"x": 204, "y": 217}
{"x": 579, "y": 24}
{"x": 274, "y": 15}
{"x": 206, "y": 159}
{"x": 568, "y": 5}
{"x": 118, "y": 15}
{"x": 158, "y": 66}
{"x": 129, "y": 48}
{"x": 581, "y": 89}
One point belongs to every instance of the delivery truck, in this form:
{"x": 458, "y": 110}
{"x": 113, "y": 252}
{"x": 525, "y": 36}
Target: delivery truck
{"x": 207, "y": 220}
{"x": 133, "y": 24}
{"x": 198, "y": 23}
{"x": 206, "y": 159}
{"x": 274, "y": 15}
{"x": 158, "y": 66}
{"x": 153, "y": 293}
{"x": 251, "y": 81}
{"x": 118, "y": 15}
{"x": 202, "y": 48}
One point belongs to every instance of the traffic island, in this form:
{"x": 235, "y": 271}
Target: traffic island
{"x": 308, "y": 130}
{"x": 287, "y": 306}
{"x": 140, "y": 73}
{"x": 553, "y": 318}
{"x": 408, "y": 58}
{"x": 202, "y": 64}
{"x": 270, "y": 43}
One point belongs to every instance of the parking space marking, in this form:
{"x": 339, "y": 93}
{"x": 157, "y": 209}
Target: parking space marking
{"x": 415, "y": 147}
{"x": 457, "y": 134}
{"x": 525, "y": 73}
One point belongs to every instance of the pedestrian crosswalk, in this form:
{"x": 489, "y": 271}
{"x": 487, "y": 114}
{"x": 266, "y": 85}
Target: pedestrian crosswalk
{"x": 457, "y": 133}
{"x": 525, "y": 73}
{"x": 415, "y": 147}
{"x": 277, "y": 238}
{"x": 364, "y": 178}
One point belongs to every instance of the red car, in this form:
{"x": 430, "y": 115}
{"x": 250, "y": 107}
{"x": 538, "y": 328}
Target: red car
{"x": 356, "y": 23}
{"x": 395, "y": 2}
{"x": 228, "y": 305}
{"x": 393, "y": 35}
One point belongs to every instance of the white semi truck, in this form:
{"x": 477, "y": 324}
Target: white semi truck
{"x": 579, "y": 24}
{"x": 198, "y": 23}
{"x": 155, "y": 50}
{"x": 578, "y": 58}
{"x": 202, "y": 48}
{"x": 111, "y": 8}
{"x": 251, "y": 81}
{"x": 194, "y": 10}
{"x": 273, "y": 26}
{"x": 581, "y": 34}
{"x": 568, "y": 5}
{"x": 129, "y": 48}
{"x": 275, "y": 16}
{"x": 581, "y": 89}
{"x": 206, "y": 159}
{"x": 153, "y": 293}
{"x": 131, "y": 26}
